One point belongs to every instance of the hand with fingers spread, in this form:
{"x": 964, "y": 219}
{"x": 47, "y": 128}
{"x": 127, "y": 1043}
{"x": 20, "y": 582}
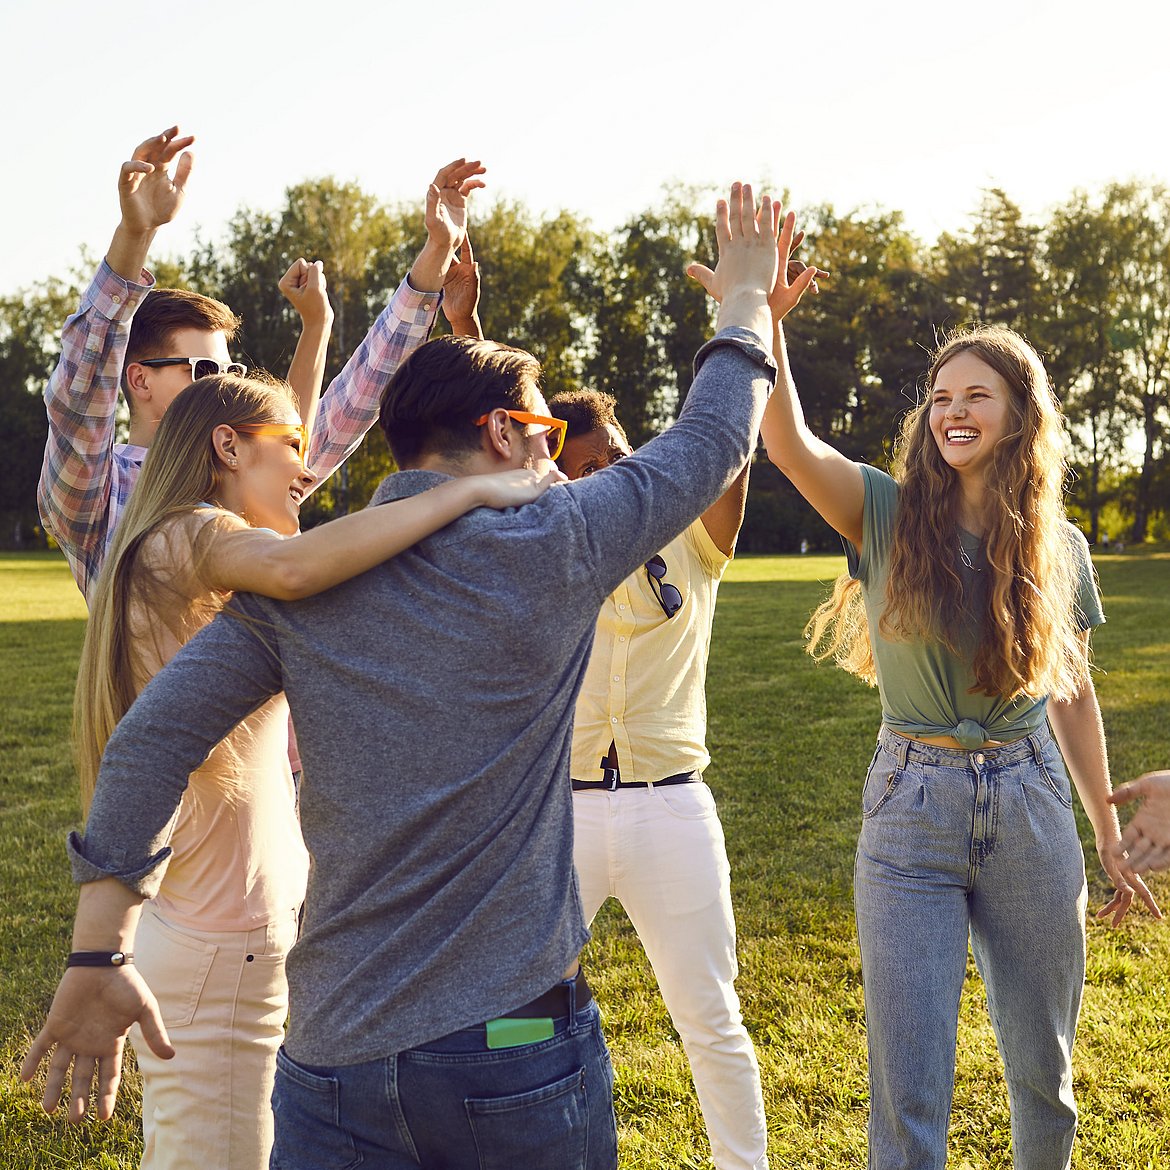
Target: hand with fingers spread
{"x": 446, "y": 222}
{"x": 793, "y": 277}
{"x": 149, "y": 195}
{"x": 461, "y": 294}
{"x": 303, "y": 286}
{"x": 746, "y": 270}
{"x": 85, "y": 1032}
{"x": 1146, "y": 839}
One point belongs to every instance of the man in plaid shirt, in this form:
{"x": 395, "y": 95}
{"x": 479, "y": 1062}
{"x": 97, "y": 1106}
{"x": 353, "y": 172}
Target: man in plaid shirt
{"x": 87, "y": 478}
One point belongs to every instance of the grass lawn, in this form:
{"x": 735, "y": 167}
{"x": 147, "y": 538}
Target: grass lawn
{"x": 790, "y": 742}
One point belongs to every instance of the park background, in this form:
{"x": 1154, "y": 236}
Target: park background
{"x": 1003, "y": 163}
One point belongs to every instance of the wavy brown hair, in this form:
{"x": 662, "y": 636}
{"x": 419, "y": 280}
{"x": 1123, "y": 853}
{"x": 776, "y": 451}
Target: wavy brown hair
{"x": 1030, "y": 641}
{"x": 181, "y": 472}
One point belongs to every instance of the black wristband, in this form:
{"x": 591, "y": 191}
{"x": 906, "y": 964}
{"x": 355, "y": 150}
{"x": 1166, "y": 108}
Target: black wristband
{"x": 99, "y": 959}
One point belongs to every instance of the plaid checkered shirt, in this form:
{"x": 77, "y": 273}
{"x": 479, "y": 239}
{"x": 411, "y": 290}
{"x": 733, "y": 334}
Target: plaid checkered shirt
{"x": 86, "y": 478}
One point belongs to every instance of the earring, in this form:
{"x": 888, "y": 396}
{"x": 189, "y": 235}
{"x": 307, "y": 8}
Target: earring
{"x": 232, "y": 462}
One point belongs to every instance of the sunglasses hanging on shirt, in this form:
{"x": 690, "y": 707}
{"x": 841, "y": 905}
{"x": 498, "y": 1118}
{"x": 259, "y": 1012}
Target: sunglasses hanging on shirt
{"x": 667, "y": 594}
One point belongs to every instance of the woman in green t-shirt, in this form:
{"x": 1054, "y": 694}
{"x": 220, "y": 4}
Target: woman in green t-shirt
{"x": 968, "y": 601}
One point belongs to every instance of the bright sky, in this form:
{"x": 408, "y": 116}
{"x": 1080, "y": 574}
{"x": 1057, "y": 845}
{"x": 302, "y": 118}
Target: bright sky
{"x": 910, "y": 104}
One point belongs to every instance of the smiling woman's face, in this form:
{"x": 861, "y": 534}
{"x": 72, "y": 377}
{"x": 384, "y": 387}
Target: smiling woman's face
{"x": 969, "y": 412}
{"x": 271, "y": 481}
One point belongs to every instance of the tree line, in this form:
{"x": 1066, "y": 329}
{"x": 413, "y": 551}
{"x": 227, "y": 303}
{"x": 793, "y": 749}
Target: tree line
{"x": 1090, "y": 287}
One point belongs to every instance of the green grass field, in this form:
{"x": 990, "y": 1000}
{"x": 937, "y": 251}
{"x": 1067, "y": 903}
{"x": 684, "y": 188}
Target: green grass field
{"x": 790, "y": 742}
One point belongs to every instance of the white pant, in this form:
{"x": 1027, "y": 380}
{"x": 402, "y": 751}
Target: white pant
{"x": 224, "y": 1001}
{"x": 660, "y": 852}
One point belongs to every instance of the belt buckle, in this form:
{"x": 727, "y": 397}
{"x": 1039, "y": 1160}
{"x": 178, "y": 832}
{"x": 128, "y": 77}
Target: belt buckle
{"x": 611, "y": 779}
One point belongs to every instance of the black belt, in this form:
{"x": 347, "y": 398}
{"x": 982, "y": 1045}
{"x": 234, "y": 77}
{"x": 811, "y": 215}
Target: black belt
{"x": 612, "y": 781}
{"x": 555, "y": 1001}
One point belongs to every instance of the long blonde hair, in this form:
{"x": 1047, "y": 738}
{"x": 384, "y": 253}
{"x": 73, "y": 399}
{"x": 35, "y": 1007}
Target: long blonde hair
{"x": 181, "y": 472}
{"x": 1029, "y": 642}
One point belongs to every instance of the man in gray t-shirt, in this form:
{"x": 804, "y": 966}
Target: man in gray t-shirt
{"x": 437, "y": 1012}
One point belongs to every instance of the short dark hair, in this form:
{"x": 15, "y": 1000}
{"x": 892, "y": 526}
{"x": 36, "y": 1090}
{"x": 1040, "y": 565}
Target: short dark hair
{"x": 167, "y": 310}
{"x": 432, "y": 401}
{"x": 585, "y": 411}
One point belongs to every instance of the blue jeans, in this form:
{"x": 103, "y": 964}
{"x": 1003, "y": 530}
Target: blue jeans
{"x": 455, "y": 1104}
{"x": 957, "y": 844}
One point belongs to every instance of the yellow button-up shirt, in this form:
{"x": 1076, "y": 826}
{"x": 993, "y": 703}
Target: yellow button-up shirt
{"x": 644, "y": 688}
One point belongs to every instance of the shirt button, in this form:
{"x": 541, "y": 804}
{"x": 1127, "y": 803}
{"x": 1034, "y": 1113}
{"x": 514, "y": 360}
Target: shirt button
{"x": 116, "y": 300}
{"x": 622, "y": 606}
{"x": 613, "y": 719}
{"x": 617, "y": 678}
{"x": 621, "y": 637}
{"x": 427, "y": 307}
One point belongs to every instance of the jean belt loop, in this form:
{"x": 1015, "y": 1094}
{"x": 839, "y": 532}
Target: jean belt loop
{"x": 900, "y": 749}
{"x": 1037, "y": 747}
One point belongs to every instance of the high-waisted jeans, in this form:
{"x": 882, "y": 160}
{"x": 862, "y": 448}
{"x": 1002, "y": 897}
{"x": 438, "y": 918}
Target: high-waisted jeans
{"x": 981, "y": 845}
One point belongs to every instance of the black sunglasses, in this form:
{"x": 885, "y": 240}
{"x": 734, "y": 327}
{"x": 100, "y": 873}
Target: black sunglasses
{"x": 668, "y": 596}
{"x": 201, "y": 367}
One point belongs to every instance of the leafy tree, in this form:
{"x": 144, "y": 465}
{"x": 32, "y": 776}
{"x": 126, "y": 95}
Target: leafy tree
{"x": 1077, "y": 338}
{"x": 991, "y": 270}
{"x": 30, "y": 338}
{"x": 1141, "y": 264}
{"x": 645, "y": 318}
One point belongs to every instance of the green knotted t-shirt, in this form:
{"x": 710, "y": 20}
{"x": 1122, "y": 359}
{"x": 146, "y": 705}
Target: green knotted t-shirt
{"x": 925, "y": 688}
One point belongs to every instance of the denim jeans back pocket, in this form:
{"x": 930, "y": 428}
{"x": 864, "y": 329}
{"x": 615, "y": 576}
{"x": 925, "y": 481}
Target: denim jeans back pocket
{"x": 307, "y": 1109}
{"x": 542, "y": 1129}
{"x": 880, "y": 782}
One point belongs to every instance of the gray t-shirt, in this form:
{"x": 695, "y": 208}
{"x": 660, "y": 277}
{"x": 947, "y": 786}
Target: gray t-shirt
{"x": 433, "y": 699}
{"x": 925, "y": 689}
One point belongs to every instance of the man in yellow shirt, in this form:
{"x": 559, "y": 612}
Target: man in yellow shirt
{"x": 645, "y": 826}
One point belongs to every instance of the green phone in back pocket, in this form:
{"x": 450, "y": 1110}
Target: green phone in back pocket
{"x": 509, "y": 1033}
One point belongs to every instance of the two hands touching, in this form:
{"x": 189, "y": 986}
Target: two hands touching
{"x": 769, "y": 238}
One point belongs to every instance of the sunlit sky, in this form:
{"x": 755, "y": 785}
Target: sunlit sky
{"x": 591, "y": 106}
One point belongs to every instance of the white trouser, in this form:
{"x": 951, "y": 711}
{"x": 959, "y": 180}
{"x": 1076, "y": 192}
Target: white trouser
{"x": 660, "y": 852}
{"x": 224, "y": 1001}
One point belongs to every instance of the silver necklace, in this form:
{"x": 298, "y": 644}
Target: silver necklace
{"x": 965, "y": 557}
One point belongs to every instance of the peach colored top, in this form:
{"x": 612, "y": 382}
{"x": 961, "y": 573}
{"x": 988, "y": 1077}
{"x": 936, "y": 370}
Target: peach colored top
{"x": 239, "y": 860}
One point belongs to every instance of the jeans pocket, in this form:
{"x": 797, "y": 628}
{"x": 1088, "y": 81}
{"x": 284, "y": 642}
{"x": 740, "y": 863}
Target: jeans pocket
{"x": 880, "y": 782}
{"x": 1055, "y": 775}
{"x": 687, "y": 802}
{"x": 307, "y": 1109}
{"x": 541, "y": 1129}
{"x": 175, "y": 965}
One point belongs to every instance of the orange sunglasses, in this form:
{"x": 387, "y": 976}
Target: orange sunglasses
{"x": 556, "y": 430}
{"x": 298, "y": 429}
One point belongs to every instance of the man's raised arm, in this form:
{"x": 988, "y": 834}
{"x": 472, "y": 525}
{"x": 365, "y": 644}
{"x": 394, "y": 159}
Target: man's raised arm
{"x": 349, "y": 407}
{"x": 73, "y": 494}
{"x": 641, "y": 503}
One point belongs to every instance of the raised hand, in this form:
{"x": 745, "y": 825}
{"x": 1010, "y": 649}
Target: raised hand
{"x": 303, "y": 286}
{"x": 148, "y": 194}
{"x": 446, "y": 214}
{"x": 748, "y": 258}
{"x": 793, "y": 277}
{"x": 793, "y": 268}
{"x": 461, "y": 294}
